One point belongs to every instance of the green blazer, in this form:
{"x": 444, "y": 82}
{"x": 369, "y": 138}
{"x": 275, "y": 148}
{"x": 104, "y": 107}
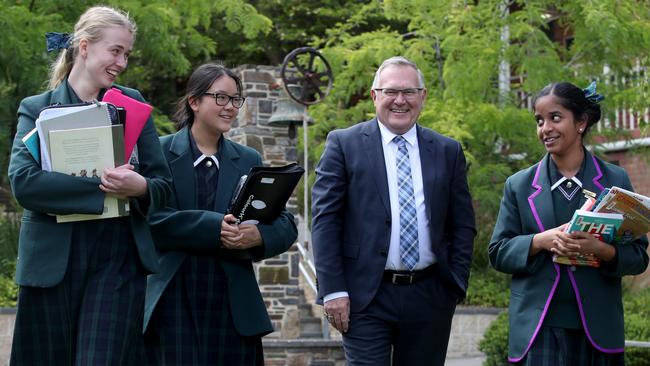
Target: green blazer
{"x": 180, "y": 228}
{"x": 44, "y": 245}
{"x": 527, "y": 209}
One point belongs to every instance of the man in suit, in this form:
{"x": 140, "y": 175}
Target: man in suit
{"x": 392, "y": 237}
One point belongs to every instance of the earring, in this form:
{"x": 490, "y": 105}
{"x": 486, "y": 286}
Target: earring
{"x": 580, "y": 130}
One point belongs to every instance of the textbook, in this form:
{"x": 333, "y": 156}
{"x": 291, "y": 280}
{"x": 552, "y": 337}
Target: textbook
{"x": 86, "y": 152}
{"x": 634, "y": 207}
{"x": 262, "y": 194}
{"x": 62, "y": 117}
{"x": 31, "y": 143}
{"x": 604, "y": 226}
{"x": 137, "y": 114}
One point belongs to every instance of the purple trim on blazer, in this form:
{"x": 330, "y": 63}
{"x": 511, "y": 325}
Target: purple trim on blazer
{"x": 541, "y": 318}
{"x": 584, "y": 321}
{"x": 535, "y": 194}
{"x": 600, "y": 174}
{"x": 555, "y": 265}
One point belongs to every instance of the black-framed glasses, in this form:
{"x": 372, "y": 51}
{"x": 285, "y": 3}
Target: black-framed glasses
{"x": 408, "y": 93}
{"x": 223, "y": 99}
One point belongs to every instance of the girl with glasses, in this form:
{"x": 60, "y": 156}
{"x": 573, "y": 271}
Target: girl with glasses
{"x": 82, "y": 284}
{"x": 204, "y": 307}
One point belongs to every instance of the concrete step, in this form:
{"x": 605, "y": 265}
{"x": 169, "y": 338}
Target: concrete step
{"x": 311, "y": 335}
{"x": 310, "y": 325}
{"x": 305, "y": 310}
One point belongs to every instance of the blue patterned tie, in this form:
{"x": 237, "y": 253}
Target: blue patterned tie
{"x": 408, "y": 221}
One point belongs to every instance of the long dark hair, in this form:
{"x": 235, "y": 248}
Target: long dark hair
{"x": 199, "y": 82}
{"x": 573, "y": 98}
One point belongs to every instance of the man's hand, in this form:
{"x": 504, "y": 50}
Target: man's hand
{"x": 337, "y": 312}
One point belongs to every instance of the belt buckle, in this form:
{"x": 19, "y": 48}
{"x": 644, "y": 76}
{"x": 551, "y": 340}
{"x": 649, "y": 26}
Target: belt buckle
{"x": 397, "y": 276}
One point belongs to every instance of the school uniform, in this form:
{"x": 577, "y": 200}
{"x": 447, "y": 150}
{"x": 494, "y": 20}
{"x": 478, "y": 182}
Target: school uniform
{"x": 204, "y": 306}
{"x": 81, "y": 283}
{"x": 552, "y": 303}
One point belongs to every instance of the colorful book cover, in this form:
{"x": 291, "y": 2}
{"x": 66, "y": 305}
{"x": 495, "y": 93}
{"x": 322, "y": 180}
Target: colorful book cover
{"x": 31, "y": 143}
{"x": 137, "y": 114}
{"x": 635, "y": 209}
{"x": 604, "y": 226}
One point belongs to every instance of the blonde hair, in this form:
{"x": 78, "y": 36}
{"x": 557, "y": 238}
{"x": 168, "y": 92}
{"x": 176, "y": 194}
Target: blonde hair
{"x": 89, "y": 26}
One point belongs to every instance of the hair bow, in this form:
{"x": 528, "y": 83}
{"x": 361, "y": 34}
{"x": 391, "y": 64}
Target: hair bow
{"x": 591, "y": 95}
{"x": 57, "y": 41}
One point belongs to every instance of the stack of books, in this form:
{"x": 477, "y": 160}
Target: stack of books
{"x": 617, "y": 216}
{"x": 84, "y": 139}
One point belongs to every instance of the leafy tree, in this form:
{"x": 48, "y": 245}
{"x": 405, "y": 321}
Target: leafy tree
{"x": 173, "y": 36}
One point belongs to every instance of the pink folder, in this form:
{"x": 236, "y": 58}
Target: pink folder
{"x": 137, "y": 114}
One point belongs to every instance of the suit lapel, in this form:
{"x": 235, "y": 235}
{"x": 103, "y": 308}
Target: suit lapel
{"x": 182, "y": 170}
{"x": 541, "y": 201}
{"x": 229, "y": 174}
{"x": 428, "y": 164}
{"x": 372, "y": 145}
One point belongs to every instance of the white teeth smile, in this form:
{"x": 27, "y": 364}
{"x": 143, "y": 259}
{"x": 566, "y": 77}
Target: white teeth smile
{"x": 399, "y": 110}
{"x": 550, "y": 139}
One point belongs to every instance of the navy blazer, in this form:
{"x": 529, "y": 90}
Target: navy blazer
{"x": 527, "y": 209}
{"x": 180, "y": 228}
{"x": 352, "y": 217}
{"x": 44, "y": 245}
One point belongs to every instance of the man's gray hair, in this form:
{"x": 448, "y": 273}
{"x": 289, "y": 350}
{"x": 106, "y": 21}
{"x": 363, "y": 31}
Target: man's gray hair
{"x": 397, "y": 61}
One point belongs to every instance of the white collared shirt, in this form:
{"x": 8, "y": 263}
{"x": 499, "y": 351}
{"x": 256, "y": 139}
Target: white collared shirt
{"x": 427, "y": 257}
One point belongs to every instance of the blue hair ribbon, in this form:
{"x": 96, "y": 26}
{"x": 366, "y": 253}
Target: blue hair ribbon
{"x": 591, "y": 95}
{"x": 57, "y": 41}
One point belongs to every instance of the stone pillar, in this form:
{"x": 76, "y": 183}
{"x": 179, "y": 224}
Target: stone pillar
{"x": 278, "y": 277}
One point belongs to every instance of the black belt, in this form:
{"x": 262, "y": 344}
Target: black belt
{"x": 407, "y": 277}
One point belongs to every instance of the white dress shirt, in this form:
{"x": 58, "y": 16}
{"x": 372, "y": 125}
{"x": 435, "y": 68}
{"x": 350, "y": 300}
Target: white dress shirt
{"x": 427, "y": 257}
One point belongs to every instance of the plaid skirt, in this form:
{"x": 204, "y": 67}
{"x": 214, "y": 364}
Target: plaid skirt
{"x": 94, "y": 316}
{"x": 192, "y": 323}
{"x": 567, "y": 347}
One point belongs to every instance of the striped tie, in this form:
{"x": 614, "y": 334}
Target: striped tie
{"x": 408, "y": 221}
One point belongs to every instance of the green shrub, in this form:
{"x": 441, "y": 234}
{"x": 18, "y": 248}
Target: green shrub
{"x": 488, "y": 288}
{"x": 637, "y": 328}
{"x": 9, "y": 230}
{"x": 495, "y": 342}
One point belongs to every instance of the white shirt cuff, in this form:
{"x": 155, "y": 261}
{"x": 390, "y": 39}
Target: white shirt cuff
{"x": 335, "y": 295}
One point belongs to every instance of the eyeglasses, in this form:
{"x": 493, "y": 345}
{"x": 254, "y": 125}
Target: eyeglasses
{"x": 223, "y": 99}
{"x": 409, "y": 93}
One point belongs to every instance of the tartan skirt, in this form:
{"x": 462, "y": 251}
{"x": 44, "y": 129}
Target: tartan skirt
{"x": 567, "y": 347}
{"x": 94, "y": 316}
{"x": 192, "y": 323}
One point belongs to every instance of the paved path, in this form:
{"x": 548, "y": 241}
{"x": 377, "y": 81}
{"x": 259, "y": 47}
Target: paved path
{"x": 469, "y": 361}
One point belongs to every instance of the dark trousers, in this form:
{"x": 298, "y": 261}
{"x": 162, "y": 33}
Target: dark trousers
{"x": 413, "y": 321}
{"x": 94, "y": 316}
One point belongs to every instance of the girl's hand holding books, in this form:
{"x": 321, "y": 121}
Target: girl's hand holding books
{"x": 123, "y": 182}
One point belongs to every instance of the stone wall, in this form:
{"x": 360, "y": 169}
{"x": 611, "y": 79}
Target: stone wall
{"x": 278, "y": 276}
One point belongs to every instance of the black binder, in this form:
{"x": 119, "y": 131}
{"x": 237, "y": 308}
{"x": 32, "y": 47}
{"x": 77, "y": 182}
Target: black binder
{"x": 262, "y": 194}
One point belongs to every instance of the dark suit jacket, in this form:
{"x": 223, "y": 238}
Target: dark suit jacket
{"x": 527, "y": 209}
{"x": 180, "y": 228}
{"x": 352, "y": 217}
{"x": 44, "y": 245}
